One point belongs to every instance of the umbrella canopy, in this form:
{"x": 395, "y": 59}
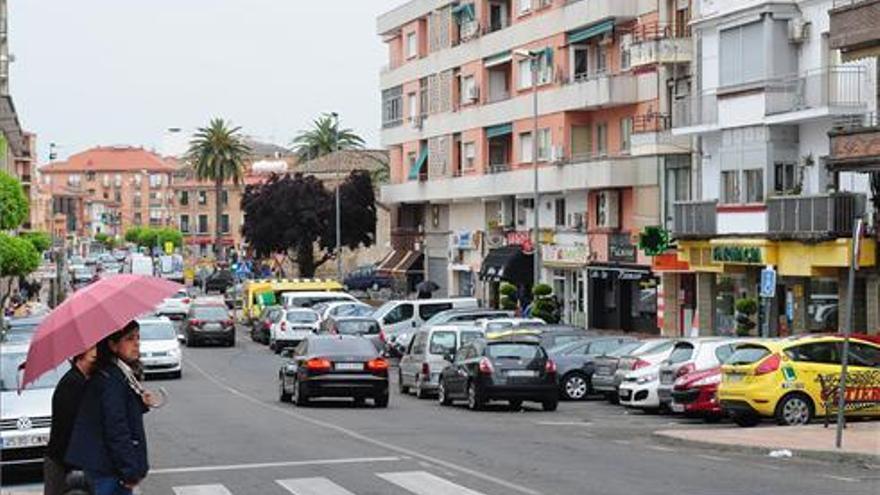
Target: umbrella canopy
{"x": 427, "y": 286}
{"x": 88, "y": 316}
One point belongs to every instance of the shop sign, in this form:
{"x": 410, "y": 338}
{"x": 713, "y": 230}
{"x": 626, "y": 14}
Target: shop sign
{"x": 520, "y": 238}
{"x": 463, "y": 240}
{"x": 569, "y": 255}
{"x": 746, "y": 255}
{"x": 621, "y": 249}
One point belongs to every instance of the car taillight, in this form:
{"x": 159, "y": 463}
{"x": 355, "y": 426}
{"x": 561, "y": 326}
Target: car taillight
{"x": 768, "y": 365}
{"x": 550, "y": 366}
{"x": 318, "y": 364}
{"x": 195, "y": 323}
{"x": 283, "y": 326}
{"x": 684, "y": 370}
{"x": 185, "y": 300}
{"x": 640, "y": 363}
{"x": 426, "y": 369}
{"x": 377, "y": 364}
{"x": 486, "y": 366}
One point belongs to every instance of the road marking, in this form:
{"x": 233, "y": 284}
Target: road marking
{"x": 422, "y": 483}
{"x": 713, "y": 457}
{"x": 312, "y": 486}
{"x": 563, "y": 423}
{"x": 201, "y": 490}
{"x": 840, "y": 478}
{"x": 363, "y": 438}
{"x": 660, "y": 449}
{"x": 622, "y": 442}
{"x": 263, "y": 465}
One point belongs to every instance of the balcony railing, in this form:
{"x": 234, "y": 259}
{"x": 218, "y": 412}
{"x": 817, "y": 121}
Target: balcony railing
{"x": 659, "y": 30}
{"x": 406, "y": 238}
{"x": 825, "y": 215}
{"x": 838, "y": 86}
{"x": 695, "y": 110}
{"x": 498, "y": 168}
{"x": 651, "y": 122}
{"x": 695, "y": 219}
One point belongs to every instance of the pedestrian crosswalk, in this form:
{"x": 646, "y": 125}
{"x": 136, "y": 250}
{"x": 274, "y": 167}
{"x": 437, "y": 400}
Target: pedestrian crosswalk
{"x": 412, "y": 482}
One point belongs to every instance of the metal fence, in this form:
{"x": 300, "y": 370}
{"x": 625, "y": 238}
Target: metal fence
{"x": 837, "y": 86}
{"x": 695, "y": 218}
{"x": 825, "y": 214}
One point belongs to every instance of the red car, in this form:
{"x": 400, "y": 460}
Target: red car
{"x": 694, "y": 394}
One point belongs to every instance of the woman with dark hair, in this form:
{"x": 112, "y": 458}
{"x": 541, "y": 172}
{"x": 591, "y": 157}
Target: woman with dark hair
{"x": 108, "y": 441}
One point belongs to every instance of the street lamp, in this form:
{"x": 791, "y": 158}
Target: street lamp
{"x": 338, "y": 209}
{"x": 533, "y": 57}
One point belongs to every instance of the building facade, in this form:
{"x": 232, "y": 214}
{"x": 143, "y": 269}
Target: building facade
{"x": 768, "y": 85}
{"x": 458, "y": 119}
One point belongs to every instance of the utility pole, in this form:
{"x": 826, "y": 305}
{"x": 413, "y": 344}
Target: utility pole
{"x": 847, "y": 329}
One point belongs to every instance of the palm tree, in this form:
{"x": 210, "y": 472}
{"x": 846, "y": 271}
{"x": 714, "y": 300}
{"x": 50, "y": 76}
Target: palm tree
{"x": 323, "y": 138}
{"x": 217, "y": 153}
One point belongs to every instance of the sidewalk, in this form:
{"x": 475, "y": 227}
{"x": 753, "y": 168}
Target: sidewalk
{"x": 861, "y": 440}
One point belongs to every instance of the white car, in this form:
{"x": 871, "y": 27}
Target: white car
{"x": 307, "y": 299}
{"x": 344, "y": 308}
{"x": 489, "y": 325}
{"x": 639, "y": 388}
{"x": 293, "y": 328}
{"x": 176, "y": 306}
{"x": 24, "y": 419}
{"x": 160, "y": 347}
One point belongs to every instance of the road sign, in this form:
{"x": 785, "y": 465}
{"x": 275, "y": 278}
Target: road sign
{"x": 768, "y": 282}
{"x": 169, "y": 247}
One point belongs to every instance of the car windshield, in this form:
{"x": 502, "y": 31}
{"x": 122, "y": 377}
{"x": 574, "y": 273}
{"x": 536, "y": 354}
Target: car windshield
{"x": 210, "y": 313}
{"x": 302, "y": 316}
{"x": 682, "y": 352}
{"x": 351, "y": 346}
{"x": 442, "y": 342}
{"x": 747, "y": 355}
{"x": 358, "y": 327}
{"x": 519, "y": 351}
{"x": 159, "y": 330}
{"x": 9, "y": 373}
{"x": 354, "y": 310}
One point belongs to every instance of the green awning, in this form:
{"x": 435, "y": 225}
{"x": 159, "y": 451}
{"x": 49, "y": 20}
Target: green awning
{"x": 417, "y": 166}
{"x": 464, "y": 12}
{"x": 499, "y": 130}
{"x": 591, "y": 32}
{"x": 498, "y": 58}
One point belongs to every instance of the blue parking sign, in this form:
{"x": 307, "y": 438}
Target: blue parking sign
{"x": 768, "y": 282}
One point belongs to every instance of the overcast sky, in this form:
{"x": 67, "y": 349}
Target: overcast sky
{"x": 90, "y": 72}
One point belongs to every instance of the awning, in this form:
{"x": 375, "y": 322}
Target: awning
{"x": 464, "y": 12}
{"x": 498, "y": 59}
{"x": 417, "y": 166}
{"x": 508, "y": 263}
{"x": 867, "y": 52}
{"x": 401, "y": 262}
{"x": 499, "y": 130}
{"x": 591, "y": 31}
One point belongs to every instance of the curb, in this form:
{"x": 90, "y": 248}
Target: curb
{"x": 820, "y": 455}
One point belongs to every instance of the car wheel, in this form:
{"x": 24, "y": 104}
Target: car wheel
{"x": 574, "y": 386}
{"x": 550, "y": 405}
{"x": 191, "y": 341}
{"x": 421, "y": 393}
{"x": 515, "y": 405}
{"x": 271, "y": 346}
{"x": 475, "y": 398}
{"x": 746, "y": 420}
{"x": 381, "y": 400}
{"x": 403, "y": 389}
{"x": 299, "y": 395}
{"x": 794, "y": 410}
{"x": 442, "y": 398}
{"x": 283, "y": 395}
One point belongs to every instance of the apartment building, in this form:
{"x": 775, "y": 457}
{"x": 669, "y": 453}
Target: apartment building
{"x": 110, "y": 189}
{"x": 457, "y": 100}
{"x": 768, "y": 86}
{"x": 13, "y": 143}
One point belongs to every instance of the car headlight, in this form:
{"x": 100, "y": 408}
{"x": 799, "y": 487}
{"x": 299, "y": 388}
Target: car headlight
{"x": 646, "y": 379}
{"x": 174, "y": 353}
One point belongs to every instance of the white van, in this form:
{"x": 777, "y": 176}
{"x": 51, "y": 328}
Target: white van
{"x": 403, "y": 316}
{"x": 307, "y": 299}
{"x": 140, "y": 264}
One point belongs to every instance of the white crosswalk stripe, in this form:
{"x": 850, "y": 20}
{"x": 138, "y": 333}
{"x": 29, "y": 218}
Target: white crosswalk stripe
{"x": 201, "y": 490}
{"x": 424, "y": 483}
{"x": 313, "y": 486}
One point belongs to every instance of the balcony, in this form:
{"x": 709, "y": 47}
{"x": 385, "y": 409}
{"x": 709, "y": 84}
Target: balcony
{"x": 695, "y": 111}
{"x": 406, "y": 238}
{"x": 855, "y": 144}
{"x": 842, "y": 89}
{"x": 661, "y": 43}
{"x": 811, "y": 217}
{"x": 855, "y": 27}
{"x": 695, "y": 219}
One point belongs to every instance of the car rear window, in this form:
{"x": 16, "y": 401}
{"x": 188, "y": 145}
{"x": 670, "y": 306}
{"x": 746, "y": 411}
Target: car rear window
{"x": 747, "y": 355}
{"x": 514, "y": 351}
{"x": 210, "y": 313}
{"x": 682, "y": 352}
{"x": 302, "y": 316}
{"x": 157, "y": 331}
{"x": 358, "y": 327}
{"x": 655, "y": 347}
{"x": 468, "y": 337}
{"x": 624, "y": 349}
{"x": 330, "y": 346}
{"x": 442, "y": 343}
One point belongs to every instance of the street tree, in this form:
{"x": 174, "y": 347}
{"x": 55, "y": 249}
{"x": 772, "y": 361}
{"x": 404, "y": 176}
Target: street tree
{"x": 40, "y": 240}
{"x": 217, "y": 153}
{"x": 295, "y": 215}
{"x": 13, "y": 202}
{"x": 323, "y": 138}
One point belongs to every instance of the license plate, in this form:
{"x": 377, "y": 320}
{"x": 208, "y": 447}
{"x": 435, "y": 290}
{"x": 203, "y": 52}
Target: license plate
{"x": 212, "y": 326}
{"x": 679, "y": 408}
{"x": 624, "y": 394}
{"x": 522, "y": 373}
{"x": 733, "y": 377}
{"x": 349, "y": 366}
{"x": 25, "y": 441}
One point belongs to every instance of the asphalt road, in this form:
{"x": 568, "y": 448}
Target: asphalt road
{"x": 223, "y": 431}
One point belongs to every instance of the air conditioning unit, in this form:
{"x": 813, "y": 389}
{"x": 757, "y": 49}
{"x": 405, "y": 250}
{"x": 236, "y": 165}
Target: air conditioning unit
{"x": 473, "y": 94}
{"x": 797, "y": 30}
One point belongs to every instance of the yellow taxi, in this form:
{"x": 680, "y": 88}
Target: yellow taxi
{"x": 266, "y": 292}
{"x": 793, "y": 379}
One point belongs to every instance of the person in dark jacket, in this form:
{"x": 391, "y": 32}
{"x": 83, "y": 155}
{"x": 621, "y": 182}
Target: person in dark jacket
{"x": 65, "y": 405}
{"x": 108, "y": 441}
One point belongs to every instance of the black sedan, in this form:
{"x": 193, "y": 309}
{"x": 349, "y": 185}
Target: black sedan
{"x": 576, "y": 362}
{"x": 219, "y": 281}
{"x": 514, "y": 368}
{"x": 334, "y": 366}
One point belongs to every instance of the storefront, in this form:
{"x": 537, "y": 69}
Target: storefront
{"x": 565, "y": 268}
{"x": 464, "y": 247}
{"x": 676, "y": 295}
{"x": 506, "y": 264}
{"x": 622, "y": 298}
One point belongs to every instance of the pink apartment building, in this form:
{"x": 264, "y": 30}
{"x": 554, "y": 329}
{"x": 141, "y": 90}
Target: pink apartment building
{"x": 457, "y": 123}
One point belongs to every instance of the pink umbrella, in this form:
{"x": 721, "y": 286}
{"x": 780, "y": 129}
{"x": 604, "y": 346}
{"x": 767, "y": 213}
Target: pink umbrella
{"x": 88, "y": 316}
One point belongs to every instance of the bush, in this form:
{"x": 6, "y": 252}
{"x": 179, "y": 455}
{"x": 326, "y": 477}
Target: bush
{"x": 745, "y": 308}
{"x": 542, "y": 290}
{"x": 544, "y": 304}
{"x": 508, "y": 296}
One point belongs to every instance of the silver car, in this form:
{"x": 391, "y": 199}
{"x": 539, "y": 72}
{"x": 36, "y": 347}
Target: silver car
{"x": 689, "y": 355}
{"x": 420, "y": 367}
{"x": 609, "y": 375}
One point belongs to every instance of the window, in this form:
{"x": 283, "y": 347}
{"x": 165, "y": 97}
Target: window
{"x": 203, "y": 197}
{"x": 602, "y": 139}
{"x": 184, "y": 224}
{"x": 105, "y": 180}
{"x": 545, "y": 67}
{"x": 155, "y": 180}
{"x": 412, "y": 101}
{"x": 525, "y": 73}
{"x": 525, "y": 6}
{"x": 426, "y": 311}
{"x": 819, "y": 352}
{"x": 625, "y": 42}
{"x": 560, "y": 212}
{"x": 525, "y": 147}
{"x": 203, "y": 224}
{"x": 117, "y": 196}
{"x": 392, "y": 106}
{"x": 742, "y": 54}
{"x": 468, "y": 90}
{"x": 224, "y": 223}
{"x": 90, "y": 176}
{"x": 723, "y": 352}
{"x": 543, "y": 144}
{"x": 137, "y": 180}
{"x": 400, "y": 313}
{"x": 607, "y": 209}
{"x": 581, "y": 62}
{"x": 730, "y": 187}
{"x": 864, "y": 355}
{"x": 419, "y": 343}
{"x": 184, "y": 198}
{"x": 784, "y": 178}
{"x": 137, "y": 218}
{"x": 469, "y": 154}
{"x": 117, "y": 181}
{"x": 224, "y": 197}
{"x": 601, "y": 59}
{"x": 73, "y": 180}
{"x": 155, "y": 216}
{"x": 754, "y": 181}
{"x": 412, "y": 45}
{"x": 626, "y": 127}
{"x": 137, "y": 198}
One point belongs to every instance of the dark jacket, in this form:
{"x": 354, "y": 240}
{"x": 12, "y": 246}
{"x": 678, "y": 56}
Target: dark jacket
{"x": 65, "y": 405}
{"x": 108, "y": 436}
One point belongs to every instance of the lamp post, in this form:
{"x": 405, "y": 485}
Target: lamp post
{"x": 338, "y": 209}
{"x": 533, "y": 57}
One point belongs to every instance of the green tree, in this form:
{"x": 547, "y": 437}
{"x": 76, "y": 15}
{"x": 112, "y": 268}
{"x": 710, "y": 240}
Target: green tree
{"x": 18, "y": 258}
{"x": 13, "y": 202}
{"x": 217, "y": 153}
{"x": 171, "y": 235}
{"x": 41, "y": 240}
{"x": 133, "y": 234}
{"x": 323, "y": 138}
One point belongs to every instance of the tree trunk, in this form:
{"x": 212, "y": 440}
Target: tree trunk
{"x": 305, "y": 260}
{"x": 218, "y": 214}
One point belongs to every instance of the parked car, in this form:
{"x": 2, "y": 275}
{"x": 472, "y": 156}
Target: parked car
{"x": 20, "y": 330}
{"x": 790, "y": 379}
{"x": 261, "y": 327}
{"x": 695, "y": 394}
{"x": 367, "y": 277}
{"x": 342, "y": 308}
{"x": 139, "y": 264}
{"x": 334, "y": 366}
{"x": 295, "y": 325}
{"x": 551, "y": 336}
{"x": 160, "y": 348}
{"x": 403, "y": 317}
{"x": 514, "y": 369}
{"x": 489, "y": 325}
{"x": 575, "y": 363}
{"x": 209, "y": 321}
{"x": 611, "y": 368}
{"x": 426, "y": 357}
{"x": 363, "y": 326}
{"x": 689, "y": 355}
{"x": 639, "y": 388}
{"x": 219, "y": 281}
{"x": 175, "y": 307}
{"x": 24, "y": 447}
{"x": 307, "y": 299}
